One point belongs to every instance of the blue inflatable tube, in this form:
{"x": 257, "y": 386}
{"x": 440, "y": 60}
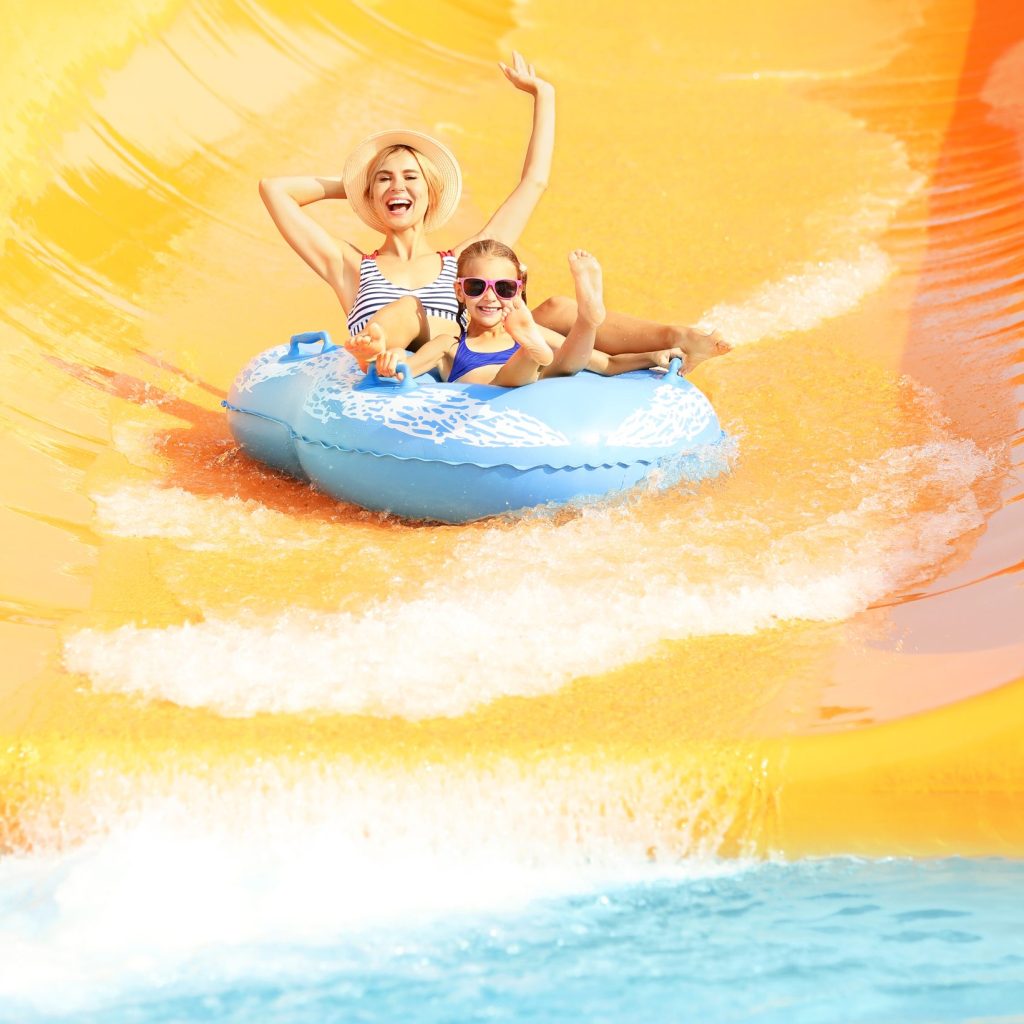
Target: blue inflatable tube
{"x": 453, "y": 453}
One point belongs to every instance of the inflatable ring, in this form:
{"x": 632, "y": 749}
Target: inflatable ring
{"x": 452, "y": 453}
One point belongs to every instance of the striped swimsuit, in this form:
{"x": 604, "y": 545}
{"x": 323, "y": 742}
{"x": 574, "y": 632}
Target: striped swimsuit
{"x": 376, "y": 291}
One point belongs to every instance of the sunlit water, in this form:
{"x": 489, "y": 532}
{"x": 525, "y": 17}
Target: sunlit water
{"x": 818, "y": 941}
{"x": 264, "y": 756}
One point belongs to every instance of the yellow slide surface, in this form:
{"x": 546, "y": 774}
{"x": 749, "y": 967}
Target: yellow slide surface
{"x": 820, "y": 653}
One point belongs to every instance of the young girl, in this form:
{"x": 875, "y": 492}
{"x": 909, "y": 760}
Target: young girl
{"x": 501, "y": 343}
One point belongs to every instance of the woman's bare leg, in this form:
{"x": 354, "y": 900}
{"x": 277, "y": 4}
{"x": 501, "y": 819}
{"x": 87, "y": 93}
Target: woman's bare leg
{"x": 401, "y": 324}
{"x": 621, "y": 333}
{"x": 576, "y": 353}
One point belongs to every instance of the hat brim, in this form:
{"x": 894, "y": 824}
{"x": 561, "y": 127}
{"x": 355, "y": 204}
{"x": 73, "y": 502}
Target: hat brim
{"x": 363, "y": 156}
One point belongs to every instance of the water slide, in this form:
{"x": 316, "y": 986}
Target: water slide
{"x": 819, "y": 654}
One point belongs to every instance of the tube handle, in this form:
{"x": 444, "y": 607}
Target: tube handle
{"x": 374, "y": 380}
{"x": 673, "y": 375}
{"x": 307, "y": 338}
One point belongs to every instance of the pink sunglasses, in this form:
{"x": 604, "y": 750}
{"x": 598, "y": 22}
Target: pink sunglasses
{"x": 504, "y": 288}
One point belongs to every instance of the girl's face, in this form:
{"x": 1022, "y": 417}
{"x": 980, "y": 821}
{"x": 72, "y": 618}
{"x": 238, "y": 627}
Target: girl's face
{"x": 488, "y": 309}
{"x": 399, "y": 191}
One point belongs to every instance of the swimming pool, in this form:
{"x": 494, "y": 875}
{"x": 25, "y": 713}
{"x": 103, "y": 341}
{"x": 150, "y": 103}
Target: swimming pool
{"x": 813, "y": 941}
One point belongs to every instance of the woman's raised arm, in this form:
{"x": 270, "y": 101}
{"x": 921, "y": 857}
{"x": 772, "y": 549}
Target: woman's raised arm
{"x": 511, "y": 218}
{"x": 284, "y": 199}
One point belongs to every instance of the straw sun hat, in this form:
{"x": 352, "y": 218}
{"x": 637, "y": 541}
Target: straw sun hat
{"x": 358, "y": 164}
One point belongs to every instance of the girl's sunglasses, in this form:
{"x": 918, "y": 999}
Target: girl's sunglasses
{"x": 505, "y": 288}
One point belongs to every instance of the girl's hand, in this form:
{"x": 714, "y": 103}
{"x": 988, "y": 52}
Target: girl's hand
{"x": 522, "y": 76}
{"x": 387, "y": 363}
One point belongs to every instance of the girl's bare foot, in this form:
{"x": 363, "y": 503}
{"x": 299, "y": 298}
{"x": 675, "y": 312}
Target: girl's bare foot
{"x": 521, "y": 326}
{"x": 367, "y": 345}
{"x": 698, "y": 345}
{"x": 586, "y": 275}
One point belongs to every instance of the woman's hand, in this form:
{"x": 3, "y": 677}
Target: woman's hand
{"x": 522, "y": 76}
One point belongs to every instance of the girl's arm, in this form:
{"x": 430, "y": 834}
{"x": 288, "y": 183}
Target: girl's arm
{"x": 510, "y": 219}
{"x": 284, "y": 198}
{"x": 610, "y": 366}
{"x": 424, "y": 359}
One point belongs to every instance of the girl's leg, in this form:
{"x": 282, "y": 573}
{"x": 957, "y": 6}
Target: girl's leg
{"x": 401, "y": 324}
{"x": 578, "y": 349}
{"x": 521, "y": 369}
{"x": 534, "y": 351}
{"x": 621, "y": 333}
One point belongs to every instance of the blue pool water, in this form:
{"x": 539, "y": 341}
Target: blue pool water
{"x": 816, "y": 941}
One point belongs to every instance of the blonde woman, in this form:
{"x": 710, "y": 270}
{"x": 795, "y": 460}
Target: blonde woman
{"x": 406, "y": 184}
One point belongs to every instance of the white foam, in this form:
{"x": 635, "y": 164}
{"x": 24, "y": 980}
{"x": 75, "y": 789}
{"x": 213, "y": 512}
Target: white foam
{"x": 801, "y": 300}
{"x": 523, "y": 611}
{"x": 244, "y": 870}
{"x": 198, "y": 523}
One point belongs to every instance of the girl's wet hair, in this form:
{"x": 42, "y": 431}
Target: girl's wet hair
{"x": 430, "y": 173}
{"x": 489, "y": 247}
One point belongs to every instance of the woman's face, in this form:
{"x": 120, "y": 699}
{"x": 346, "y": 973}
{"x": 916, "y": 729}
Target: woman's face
{"x": 487, "y": 310}
{"x": 399, "y": 191}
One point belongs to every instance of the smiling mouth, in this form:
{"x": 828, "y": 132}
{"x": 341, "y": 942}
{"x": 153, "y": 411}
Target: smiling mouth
{"x": 399, "y": 205}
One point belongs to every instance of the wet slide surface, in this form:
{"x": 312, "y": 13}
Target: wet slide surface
{"x": 821, "y": 654}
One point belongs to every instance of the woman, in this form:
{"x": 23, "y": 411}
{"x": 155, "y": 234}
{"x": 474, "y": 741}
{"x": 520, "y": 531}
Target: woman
{"x": 405, "y": 184}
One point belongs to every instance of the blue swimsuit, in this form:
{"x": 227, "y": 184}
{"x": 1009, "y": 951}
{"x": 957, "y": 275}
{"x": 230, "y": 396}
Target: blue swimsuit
{"x": 466, "y": 359}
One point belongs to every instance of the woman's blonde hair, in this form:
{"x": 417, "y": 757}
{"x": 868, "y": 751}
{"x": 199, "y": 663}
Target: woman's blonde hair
{"x": 431, "y": 175}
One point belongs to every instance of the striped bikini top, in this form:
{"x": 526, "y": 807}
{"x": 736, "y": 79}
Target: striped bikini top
{"x": 376, "y": 291}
